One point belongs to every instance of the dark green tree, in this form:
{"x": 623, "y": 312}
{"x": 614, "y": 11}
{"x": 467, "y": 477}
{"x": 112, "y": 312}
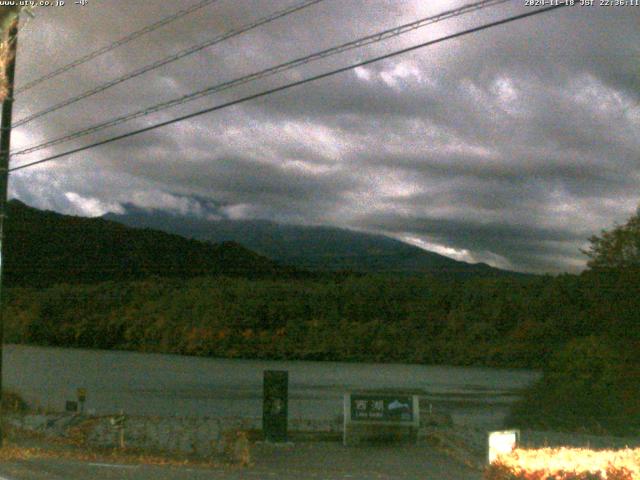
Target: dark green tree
{"x": 618, "y": 248}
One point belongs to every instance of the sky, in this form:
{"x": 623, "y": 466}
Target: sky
{"x": 510, "y": 146}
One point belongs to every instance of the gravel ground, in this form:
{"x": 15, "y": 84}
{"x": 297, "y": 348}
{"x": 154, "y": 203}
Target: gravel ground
{"x": 300, "y": 461}
{"x": 332, "y": 460}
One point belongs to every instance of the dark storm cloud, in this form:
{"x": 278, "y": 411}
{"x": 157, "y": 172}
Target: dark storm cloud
{"x": 519, "y": 244}
{"x": 241, "y": 176}
{"x": 511, "y": 146}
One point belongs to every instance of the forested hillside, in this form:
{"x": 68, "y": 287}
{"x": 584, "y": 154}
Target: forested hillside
{"x": 45, "y": 248}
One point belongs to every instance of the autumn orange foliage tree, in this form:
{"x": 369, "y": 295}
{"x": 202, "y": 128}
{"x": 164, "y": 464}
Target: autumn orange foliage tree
{"x": 500, "y": 471}
{"x": 566, "y": 464}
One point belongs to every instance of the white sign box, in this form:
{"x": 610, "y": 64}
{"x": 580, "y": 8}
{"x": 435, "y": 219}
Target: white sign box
{"x": 501, "y": 443}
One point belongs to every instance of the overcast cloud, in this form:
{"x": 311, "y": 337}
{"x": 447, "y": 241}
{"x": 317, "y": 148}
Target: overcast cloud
{"x": 511, "y": 146}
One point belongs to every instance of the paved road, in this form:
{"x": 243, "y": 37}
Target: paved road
{"x": 321, "y": 461}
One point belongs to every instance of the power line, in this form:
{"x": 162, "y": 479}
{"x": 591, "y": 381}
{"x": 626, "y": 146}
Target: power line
{"x": 172, "y": 58}
{"x": 361, "y": 42}
{"x": 294, "y": 84}
{"x": 132, "y": 36}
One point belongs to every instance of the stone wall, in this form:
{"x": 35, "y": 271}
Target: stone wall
{"x": 192, "y": 435}
{"x": 204, "y": 436}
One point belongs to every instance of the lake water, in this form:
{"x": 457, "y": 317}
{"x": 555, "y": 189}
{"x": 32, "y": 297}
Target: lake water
{"x": 165, "y": 385}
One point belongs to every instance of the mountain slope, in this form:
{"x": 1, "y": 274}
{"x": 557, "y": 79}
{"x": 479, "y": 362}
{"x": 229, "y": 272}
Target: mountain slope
{"x": 308, "y": 247}
{"x": 43, "y": 248}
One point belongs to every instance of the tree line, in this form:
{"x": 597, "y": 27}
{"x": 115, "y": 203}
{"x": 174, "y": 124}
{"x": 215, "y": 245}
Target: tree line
{"x": 492, "y": 322}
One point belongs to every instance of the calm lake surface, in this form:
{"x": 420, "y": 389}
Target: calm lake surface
{"x": 166, "y": 385}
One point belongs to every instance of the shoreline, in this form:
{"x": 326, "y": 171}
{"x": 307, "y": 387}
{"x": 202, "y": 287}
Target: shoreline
{"x": 375, "y": 362}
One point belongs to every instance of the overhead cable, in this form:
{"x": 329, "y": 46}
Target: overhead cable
{"x": 169, "y": 59}
{"x": 107, "y": 48}
{"x": 361, "y": 42}
{"x": 293, "y": 84}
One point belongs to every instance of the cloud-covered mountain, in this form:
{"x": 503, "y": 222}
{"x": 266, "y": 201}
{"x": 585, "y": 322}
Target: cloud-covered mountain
{"x": 305, "y": 247}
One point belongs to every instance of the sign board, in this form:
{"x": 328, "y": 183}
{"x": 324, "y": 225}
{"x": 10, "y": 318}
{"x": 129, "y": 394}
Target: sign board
{"x": 118, "y": 422}
{"x": 377, "y": 416}
{"x": 71, "y": 406}
{"x": 275, "y": 405}
{"x": 501, "y": 443}
{"x": 381, "y": 408}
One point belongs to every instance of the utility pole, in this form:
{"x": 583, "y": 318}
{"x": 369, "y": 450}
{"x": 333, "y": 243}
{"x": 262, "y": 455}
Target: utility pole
{"x": 5, "y": 145}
